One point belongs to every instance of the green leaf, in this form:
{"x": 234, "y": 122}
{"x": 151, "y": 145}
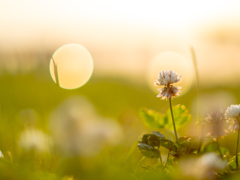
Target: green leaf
{"x": 151, "y": 139}
{"x": 148, "y": 151}
{"x": 157, "y": 120}
{"x": 169, "y": 145}
{"x": 148, "y": 168}
{"x": 176, "y": 155}
{"x": 189, "y": 142}
{"x": 224, "y": 151}
{"x": 181, "y": 116}
{"x": 232, "y": 162}
{"x": 158, "y": 134}
{"x": 169, "y": 162}
{"x": 211, "y": 147}
{"x": 153, "y": 119}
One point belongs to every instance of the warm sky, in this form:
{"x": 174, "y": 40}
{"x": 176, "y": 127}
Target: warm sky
{"x": 120, "y": 31}
{"x": 23, "y": 20}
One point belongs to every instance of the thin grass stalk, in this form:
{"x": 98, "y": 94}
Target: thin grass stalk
{"x": 55, "y": 71}
{"x": 160, "y": 156}
{"x": 237, "y": 150}
{"x": 201, "y": 140}
{"x": 167, "y": 157}
{"x": 194, "y": 59}
{"x": 138, "y": 165}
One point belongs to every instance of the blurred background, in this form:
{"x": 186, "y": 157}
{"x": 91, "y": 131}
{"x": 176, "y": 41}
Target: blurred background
{"x": 130, "y": 42}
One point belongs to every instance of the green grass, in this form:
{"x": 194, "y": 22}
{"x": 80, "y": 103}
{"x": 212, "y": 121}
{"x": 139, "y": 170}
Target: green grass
{"x": 114, "y": 98}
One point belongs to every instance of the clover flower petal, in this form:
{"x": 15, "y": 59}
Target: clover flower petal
{"x": 232, "y": 114}
{"x": 167, "y": 78}
{"x": 203, "y": 167}
{"x": 216, "y": 124}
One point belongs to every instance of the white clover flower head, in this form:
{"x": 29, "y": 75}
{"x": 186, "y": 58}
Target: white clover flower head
{"x": 216, "y": 124}
{"x": 78, "y": 129}
{"x": 34, "y": 139}
{"x": 214, "y": 116}
{"x": 232, "y": 112}
{"x": 204, "y": 167}
{"x": 212, "y": 161}
{"x": 232, "y": 115}
{"x": 166, "y": 79}
{"x": 234, "y": 126}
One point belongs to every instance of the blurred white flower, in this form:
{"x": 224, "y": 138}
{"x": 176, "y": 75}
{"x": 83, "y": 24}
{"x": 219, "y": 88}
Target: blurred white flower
{"x": 167, "y": 78}
{"x": 79, "y": 130}
{"x": 33, "y": 139}
{"x": 1, "y": 154}
{"x": 232, "y": 114}
{"x": 204, "y": 167}
{"x": 234, "y": 126}
{"x": 216, "y": 124}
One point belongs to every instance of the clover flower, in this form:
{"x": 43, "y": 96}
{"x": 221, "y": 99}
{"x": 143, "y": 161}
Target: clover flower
{"x": 166, "y": 79}
{"x": 216, "y": 123}
{"x": 232, "y": 114}
{"x": 203, "y": 167}
{"x": 78, "y": 129}
{"x": 34, "y": 139}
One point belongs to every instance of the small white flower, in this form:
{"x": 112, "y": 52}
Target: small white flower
{"x": 34, "y": 139}
{"x": 216, "y": 123}
{"x": 234, "y": 126}
{"x": 232, "y": 114}
{"x": 204, "y": 167}
{"x": 1, "y": 155}
{"x": 166, "y": 79}
{"x": 78, "y": 129}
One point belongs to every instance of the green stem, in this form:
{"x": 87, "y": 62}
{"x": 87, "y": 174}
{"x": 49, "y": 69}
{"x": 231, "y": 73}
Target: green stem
{"x": 201, "y": 140}
{"x": 219, "y": 149}
{"x": 138, "y": 165}
{"x": 237, "y": 150}
{"x": 160, "y": 155}
{"x": 174, "y": 126}
{"x": 168, "y": 157}
{"x": 189, "y": 148}
{"x": 194, "y": 59}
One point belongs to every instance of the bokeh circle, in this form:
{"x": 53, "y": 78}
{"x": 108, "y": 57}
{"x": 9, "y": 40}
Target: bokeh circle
{"x": 74, "y": 66}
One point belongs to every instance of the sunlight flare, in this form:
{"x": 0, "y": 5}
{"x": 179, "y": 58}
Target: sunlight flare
{"x": 74, "y": 66}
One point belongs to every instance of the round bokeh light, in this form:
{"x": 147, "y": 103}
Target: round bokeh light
{"x": 74, "y": 66}
{"x": 171, "y": 61}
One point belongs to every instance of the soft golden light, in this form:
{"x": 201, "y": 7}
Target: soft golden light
{"x": 171, "y": 61}
{"x": 74, "y": 66}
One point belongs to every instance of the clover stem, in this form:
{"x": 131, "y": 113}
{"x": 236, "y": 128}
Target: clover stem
{"x": 201, "y": 140}
{"x": 168, "y": 157}
{"x": 174, "y": 126}
{"x": 189, "y": 148}
{"x": 219, "y": 149}
{"x": 160, "y": 156}
{"x": 237, "y": 150}
{"x": 139, "y": 164}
